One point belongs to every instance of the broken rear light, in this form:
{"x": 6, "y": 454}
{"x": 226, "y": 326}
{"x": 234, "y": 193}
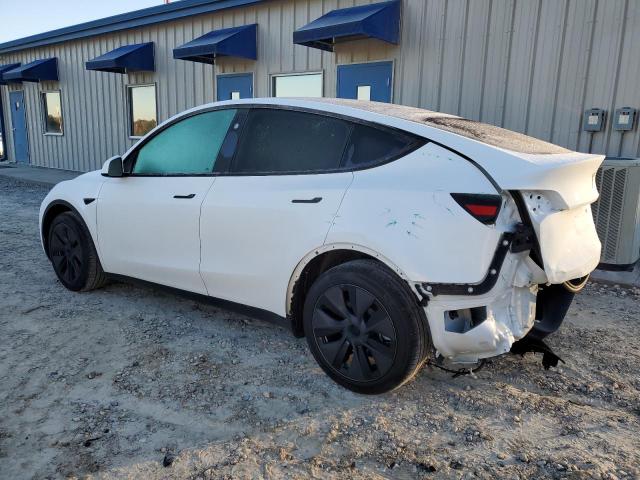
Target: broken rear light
{"x": 483, "y": 207}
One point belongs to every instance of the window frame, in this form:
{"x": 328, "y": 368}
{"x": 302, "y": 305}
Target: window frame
{"x": 274, "y": 76}
{"x": 416, "y": 144}
{"x": 44, "y": 109}
{"x": 129, "y": 89}
{"x": 130, "y": 157}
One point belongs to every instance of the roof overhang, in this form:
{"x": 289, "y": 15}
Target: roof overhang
{"x": 378, "y": 20}
{"x": 36, "y": 71}
{"x": 138, "y": 18}
{"x": 5, "y": 68}
{"x": 229, "y": 42}
{"x": 125, "y": 59}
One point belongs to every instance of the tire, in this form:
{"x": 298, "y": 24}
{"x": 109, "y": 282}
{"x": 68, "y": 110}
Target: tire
{"x": 73, "y": 254}
{"x": 373, "y": 344}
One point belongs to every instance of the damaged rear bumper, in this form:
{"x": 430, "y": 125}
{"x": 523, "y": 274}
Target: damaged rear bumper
{"x": 469, "y": 322}
{"x": 509, "y": 317}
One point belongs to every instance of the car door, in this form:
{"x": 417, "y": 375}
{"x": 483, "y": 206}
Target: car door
{"x": 275, "y": 205}
{"x": 149, "y": 220}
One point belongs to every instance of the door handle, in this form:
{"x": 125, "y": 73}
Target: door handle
{"x": 191, "y": 195}
{"x": 308, "y": 200}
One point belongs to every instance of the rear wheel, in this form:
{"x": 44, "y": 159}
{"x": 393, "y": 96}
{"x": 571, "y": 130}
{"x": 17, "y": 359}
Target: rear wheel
{"x": 73, "y": 254}
{"x": 364, "y": 327}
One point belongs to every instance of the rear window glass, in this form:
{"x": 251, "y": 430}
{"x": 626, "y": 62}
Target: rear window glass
{"x": 483, "y": 132}
{"x": 290, "y": 142}
{"x": 370, "y": 145}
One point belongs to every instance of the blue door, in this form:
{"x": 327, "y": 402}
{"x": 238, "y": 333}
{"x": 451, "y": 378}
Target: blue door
{"x": 19, "y": 127}
{"x": 235, "y": 86}
{"x": 366, "y": 81}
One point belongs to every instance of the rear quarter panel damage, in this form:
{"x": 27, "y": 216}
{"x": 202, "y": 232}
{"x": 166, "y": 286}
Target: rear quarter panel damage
{"x": 404, "y": 211}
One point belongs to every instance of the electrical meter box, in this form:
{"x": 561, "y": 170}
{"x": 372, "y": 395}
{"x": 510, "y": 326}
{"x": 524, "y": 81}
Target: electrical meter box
{"x": 594, "y": 120}
{"x": 624, "y": 119}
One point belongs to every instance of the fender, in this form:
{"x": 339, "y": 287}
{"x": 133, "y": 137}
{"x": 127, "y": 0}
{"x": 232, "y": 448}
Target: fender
{"x": 341, "y": 246}
{"x": 80, "y": 196}
{"x": 43, "y": 224}
{"x": 67, "y": 206}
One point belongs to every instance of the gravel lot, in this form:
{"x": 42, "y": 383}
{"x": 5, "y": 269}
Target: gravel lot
{"x": 116, "y": 382}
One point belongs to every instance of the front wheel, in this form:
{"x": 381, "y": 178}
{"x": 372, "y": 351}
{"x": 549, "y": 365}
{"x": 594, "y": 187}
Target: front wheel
{"x": 364, "y": 327}
{"x": 73, "y": 254}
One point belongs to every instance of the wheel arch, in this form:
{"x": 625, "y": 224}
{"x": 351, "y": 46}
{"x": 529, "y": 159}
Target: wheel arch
{"x": 319, "y": 261}
{"x": 55, "y": 208}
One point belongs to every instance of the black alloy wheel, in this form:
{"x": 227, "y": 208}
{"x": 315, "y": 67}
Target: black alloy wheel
{"x": 365, "y": 328}
{"x": 66, "y": 253}
{"x": 73, "y": 254}
{"x": 354, "y": 333}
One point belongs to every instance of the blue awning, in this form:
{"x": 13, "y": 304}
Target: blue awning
{"x": 378, "y": 20}
{"x": 125, "y": 59}
{"x": 36, "y": 71}
{"x": 229, "y": 42}
{"x": 4, "y": 68}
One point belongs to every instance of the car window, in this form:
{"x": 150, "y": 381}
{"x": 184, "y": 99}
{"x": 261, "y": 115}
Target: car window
{"x": 371, "y": 145}
{"x": 189, "y": 147}
{"x": 286, "y": 141}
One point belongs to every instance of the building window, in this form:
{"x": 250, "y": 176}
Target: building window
{"x": 297, "y": 85}
{"x": 143, "y": 116}
{"x": 52, "y": 109}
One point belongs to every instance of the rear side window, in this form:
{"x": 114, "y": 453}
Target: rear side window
{"x": 371, "y": 145}
{"x": 287, "y": 141}
{"x": 188, "y": 147}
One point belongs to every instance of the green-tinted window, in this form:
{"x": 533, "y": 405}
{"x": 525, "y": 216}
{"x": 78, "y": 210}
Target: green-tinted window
{"x": 188, "y": 147}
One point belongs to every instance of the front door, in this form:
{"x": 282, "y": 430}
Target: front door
{"x": 366, "y": 81}
{"x": 235, "y": 86}
{"x": 149, "y": 221}
{"x": 19, "y": 127}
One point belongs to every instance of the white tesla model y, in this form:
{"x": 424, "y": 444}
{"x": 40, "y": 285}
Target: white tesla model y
{"x": 387, "y": 235}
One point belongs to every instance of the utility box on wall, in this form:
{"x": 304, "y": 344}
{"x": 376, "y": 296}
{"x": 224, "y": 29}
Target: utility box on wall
{"x": 617, "y": 213}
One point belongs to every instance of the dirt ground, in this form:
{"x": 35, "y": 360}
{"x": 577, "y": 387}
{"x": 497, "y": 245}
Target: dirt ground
{"x": 134, "y": 382}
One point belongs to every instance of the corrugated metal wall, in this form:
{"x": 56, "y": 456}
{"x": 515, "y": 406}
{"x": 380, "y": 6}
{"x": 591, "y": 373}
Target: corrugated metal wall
{"x": 533, "y": 66}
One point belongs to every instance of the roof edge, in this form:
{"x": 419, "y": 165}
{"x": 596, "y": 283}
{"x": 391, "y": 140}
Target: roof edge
{"x": 123, "y": 21}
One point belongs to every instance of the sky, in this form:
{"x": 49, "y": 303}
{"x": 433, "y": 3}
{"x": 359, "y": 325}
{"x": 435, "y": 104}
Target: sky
{"x": 28, "y": 17}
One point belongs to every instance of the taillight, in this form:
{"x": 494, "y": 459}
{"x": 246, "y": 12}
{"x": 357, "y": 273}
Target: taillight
{"x": 483, "y": 207}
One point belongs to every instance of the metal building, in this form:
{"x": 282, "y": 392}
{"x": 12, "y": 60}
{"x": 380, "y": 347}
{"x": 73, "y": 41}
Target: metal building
{"x": 560, "y": 70}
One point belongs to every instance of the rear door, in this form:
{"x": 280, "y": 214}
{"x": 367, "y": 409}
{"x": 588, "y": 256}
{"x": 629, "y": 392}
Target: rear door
{"x": 275, "y": 205}
{"x": 149, "y": 221}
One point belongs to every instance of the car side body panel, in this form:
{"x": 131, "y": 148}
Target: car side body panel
{"x": 75, "y": 192}
{"x": 148, "y": 228}
{"x": 256, "y": 229}
{"x": 404, "y": 211}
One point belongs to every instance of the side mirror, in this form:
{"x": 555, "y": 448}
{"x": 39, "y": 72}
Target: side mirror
{"x": 113, "y": 167}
